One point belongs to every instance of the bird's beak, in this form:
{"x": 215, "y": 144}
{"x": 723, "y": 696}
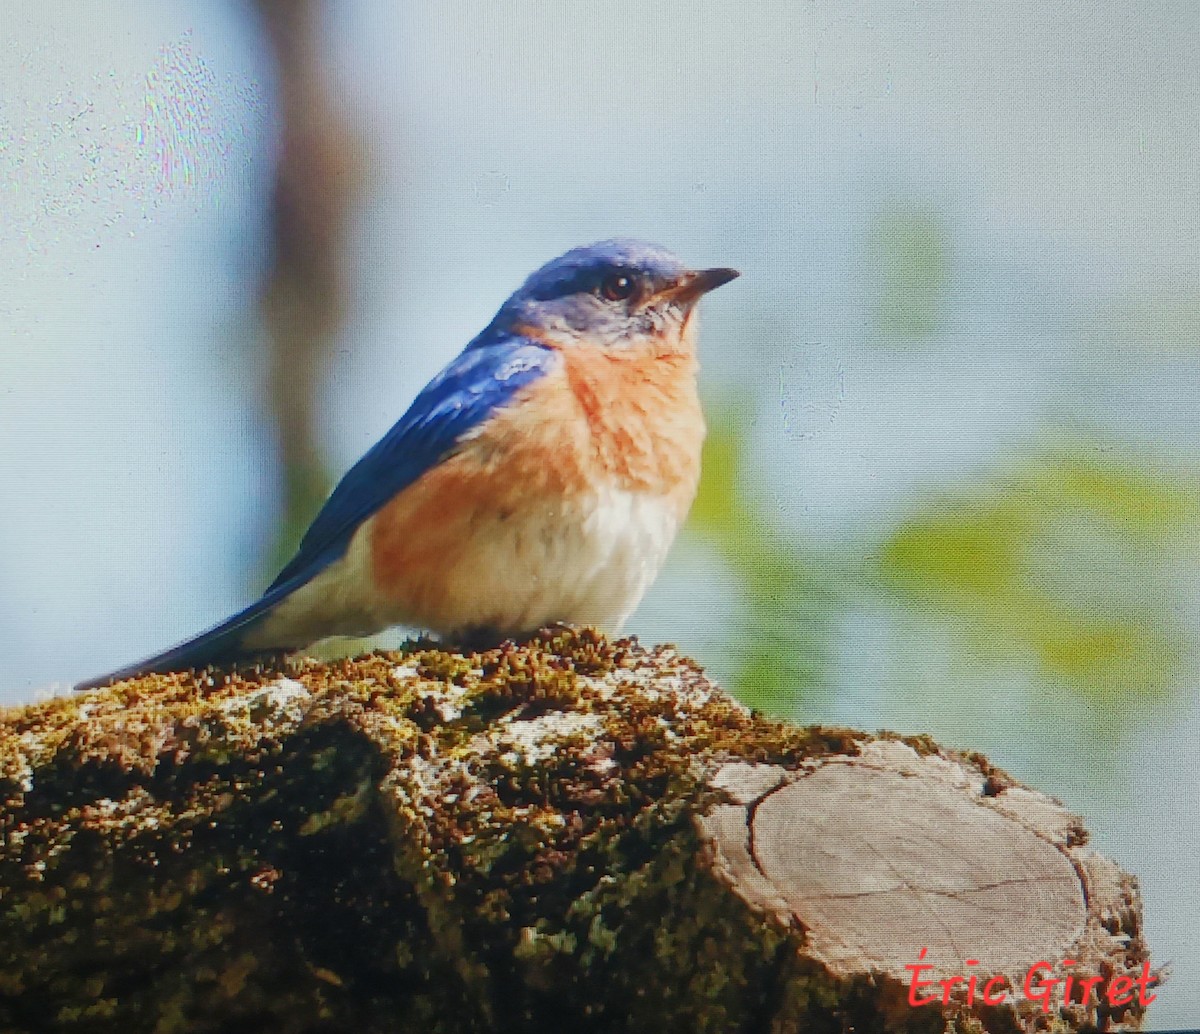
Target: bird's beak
{"x": 691, "y": 286}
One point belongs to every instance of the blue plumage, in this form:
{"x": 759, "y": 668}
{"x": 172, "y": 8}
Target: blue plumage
{"x": 619, "y": 294}
{"x": 581, "y": 269}
{"x": 489, "y": 370}
{"x": 485, "y": 376}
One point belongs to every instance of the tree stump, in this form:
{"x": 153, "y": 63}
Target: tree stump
{"x": 563, "y": 834}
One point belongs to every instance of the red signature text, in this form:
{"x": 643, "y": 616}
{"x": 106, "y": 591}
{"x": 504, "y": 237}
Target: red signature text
{"x": 1039, "y": 985}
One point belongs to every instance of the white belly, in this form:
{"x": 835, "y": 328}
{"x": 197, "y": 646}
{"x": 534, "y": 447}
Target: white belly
{"x": 586, "y": 561}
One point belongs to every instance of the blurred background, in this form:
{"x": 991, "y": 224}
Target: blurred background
{"x": 953, "y": 475}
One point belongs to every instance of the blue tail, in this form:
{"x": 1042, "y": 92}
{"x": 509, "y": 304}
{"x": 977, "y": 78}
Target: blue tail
{"x": 222, "y": 645}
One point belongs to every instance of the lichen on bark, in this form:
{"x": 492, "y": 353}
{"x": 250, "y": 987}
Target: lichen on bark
{"x": 506, "y": 840}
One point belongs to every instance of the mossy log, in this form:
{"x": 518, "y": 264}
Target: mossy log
{"x": 567, "y": 834}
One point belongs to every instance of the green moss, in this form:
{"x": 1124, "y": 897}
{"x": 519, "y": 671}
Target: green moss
{"x": 416, "y": 840}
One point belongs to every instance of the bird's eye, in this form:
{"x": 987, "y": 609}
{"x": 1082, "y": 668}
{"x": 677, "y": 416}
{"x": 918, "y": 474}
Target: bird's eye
{"x": 616, "y": 287}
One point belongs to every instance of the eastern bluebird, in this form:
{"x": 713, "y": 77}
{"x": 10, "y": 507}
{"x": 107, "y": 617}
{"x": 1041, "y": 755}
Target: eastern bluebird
{"x": 539, "y": 478}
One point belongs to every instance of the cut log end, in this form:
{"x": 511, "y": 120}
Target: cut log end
{"x": 908, "y": 872}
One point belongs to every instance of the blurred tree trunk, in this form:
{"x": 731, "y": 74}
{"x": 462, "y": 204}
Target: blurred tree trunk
{"x": 305, "y": 290}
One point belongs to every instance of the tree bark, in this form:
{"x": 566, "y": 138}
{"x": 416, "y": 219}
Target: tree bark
{"x": 563, "y": 834}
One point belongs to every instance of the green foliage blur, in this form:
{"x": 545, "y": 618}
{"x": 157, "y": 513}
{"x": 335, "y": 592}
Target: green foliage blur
{"x": 1064, "y": 558}
{"x": 1065, "y": 561}
{"x": 793, "y": 597}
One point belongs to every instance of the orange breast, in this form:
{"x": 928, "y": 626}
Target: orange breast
{"x": 645, "y": 426}
{"x": 629, "y": 422}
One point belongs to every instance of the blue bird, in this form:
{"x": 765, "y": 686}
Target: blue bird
{"x": 541, "y": 477}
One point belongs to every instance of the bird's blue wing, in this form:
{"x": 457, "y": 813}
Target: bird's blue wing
{"x": 483, "y": 377}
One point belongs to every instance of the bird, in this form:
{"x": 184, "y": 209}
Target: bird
{"x": 540, "y": 478}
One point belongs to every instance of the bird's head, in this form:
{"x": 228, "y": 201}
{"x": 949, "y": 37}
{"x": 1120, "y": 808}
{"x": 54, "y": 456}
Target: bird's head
{"x": 617, "y": 294}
